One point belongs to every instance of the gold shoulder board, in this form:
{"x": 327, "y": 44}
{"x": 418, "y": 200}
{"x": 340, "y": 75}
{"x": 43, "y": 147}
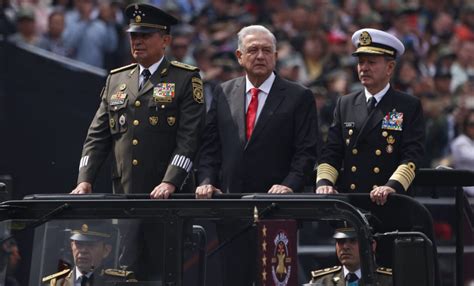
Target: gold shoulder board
{"x": 118, "y": 273}
{"x": 383, "y": 270}
{"x": 56, "y": 275}
{"x": 123, "y": 68}
{"x": 184, "y": 66}
{"x": 321, "y": 272}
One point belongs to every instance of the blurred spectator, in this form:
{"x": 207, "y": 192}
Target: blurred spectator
{"x": 462, "y": 148}
{"x": 463, "y": 66}
{"x": 315, "y": 54}
{"x": 91, "y": 32}
{"x": 25, "y": 24}
{"x": 10, "y": 258}
{"x": 180, "y": 48}
{"x": 436, "y": 126}
{"x": 53, "y": 39}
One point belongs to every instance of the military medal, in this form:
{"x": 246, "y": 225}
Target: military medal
{"x": 153, "y": 120}
{"x": 389, "y": 148}
{"x": 164, "y": 92}
{"x": 348, "y": 141}
{"x": 123, "y": 86}
{"x": 171, "y": 120}
{"x": 122, "y": 120}
{"x": 393, "y": 121}
{"x": 390, "y": 139}
{"x": 118, "y": 98}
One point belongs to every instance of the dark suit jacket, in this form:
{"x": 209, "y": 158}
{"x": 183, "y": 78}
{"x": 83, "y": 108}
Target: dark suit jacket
{"x": 281, "y": 150}
{"x": 152, "y": 138}
{"x": 364, "y": 150}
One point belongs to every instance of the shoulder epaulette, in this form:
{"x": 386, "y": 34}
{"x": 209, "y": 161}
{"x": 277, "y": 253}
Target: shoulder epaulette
{"x": 119, "y": 273}
{"x": 122, "y": 68}
{"x": 184, "y": 66}
{"x": 56, "y": 275}
{"x": 384, "y": 270}
{"x": 321, "y": 272}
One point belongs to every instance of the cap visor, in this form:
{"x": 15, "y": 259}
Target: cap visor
{"x": 81, "y": 237}
{"x": 141, "y": 29}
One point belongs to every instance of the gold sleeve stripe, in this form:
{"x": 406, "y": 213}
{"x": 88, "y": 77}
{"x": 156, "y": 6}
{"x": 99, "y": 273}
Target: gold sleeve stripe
{"x": 404, "y": 174}
{"x": 327, "y": 172}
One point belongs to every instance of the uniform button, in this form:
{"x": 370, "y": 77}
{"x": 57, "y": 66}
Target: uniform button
{"x": 355, "y": 151}
{"x": 378, "y": 152}
{"x": 351, "y": 131}
{"x": 348, "y": 141}
{"x": 376, "y": 170}
{"x": 134, "y": 162}
{"x": 353, "y": 186}
{"x": 136, "y": 122}
{"x": 135, "y": 142}
{"x": 353, "y": 169}
{"x": 384, "y": 133}
{"x": 138, "y": 103}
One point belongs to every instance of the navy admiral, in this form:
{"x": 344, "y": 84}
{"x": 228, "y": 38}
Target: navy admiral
{"x": 376, "y": 139}
{"x": 349, "y": 273}
{"x": 90, "y": 246}
{"x": 149, "y": 116}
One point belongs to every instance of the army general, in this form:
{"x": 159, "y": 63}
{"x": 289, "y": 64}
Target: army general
{"x": 149, "y": 116}
{"x": 376, "y": 139}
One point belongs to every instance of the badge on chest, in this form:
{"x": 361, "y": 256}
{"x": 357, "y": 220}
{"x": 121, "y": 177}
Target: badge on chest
{"x": 118, "y": 98}
{"x": 393, "y": 121}
{"x": 164, "y": 92}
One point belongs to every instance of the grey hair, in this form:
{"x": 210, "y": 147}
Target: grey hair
{"x": 254, "y": 29}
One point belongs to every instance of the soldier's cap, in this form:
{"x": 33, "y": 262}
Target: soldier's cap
{"x": 376, "y": 42}
{"x": 145, "y": 18}
{"x": 344, "y": 232}
{"x": 90, "y": 232}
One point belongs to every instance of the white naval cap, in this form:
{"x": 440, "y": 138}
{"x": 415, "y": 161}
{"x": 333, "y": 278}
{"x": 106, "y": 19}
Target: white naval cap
{"x": 373, "y": 41}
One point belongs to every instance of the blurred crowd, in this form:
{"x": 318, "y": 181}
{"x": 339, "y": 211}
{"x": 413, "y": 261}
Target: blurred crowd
{"x": 314, "y": 48}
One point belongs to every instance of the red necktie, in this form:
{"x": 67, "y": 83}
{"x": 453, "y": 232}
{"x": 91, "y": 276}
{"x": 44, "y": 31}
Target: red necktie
{"x": 252, "y": 111}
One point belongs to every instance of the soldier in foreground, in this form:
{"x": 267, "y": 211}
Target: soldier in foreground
{"x": 349, "y": 273}
{"x": 90, "y": 246}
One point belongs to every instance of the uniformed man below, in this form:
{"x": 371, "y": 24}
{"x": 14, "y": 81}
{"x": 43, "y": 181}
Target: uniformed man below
{"x": 347, "y": 251}
{"x": 90, "y": 246}
{"x": 376, "y": 139}
{"x": 149, "y": 116}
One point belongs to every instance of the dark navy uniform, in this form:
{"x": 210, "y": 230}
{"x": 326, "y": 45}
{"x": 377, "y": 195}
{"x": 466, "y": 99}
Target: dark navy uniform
{"x": 151, "y": 131}
{"x": 380, "y": 146}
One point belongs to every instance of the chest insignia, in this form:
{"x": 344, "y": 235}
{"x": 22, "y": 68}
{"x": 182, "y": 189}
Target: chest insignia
{"x": 118, "y": 98}
{"x": 164, "y": 92}
{"x": 393, "y": 121}
{"x": 349, "y": 124}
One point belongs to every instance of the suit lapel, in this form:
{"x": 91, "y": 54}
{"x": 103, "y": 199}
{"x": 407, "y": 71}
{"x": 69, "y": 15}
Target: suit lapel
{"x": 155, "y": 77}
{"x": 236, "y": 99}
{"x": 374, "y": 119}
{"x": 274, "y": 98}
{"x": 132, "y": 83}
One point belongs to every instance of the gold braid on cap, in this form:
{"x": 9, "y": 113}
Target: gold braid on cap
{"x": 149, "y": 25}
{"x": 404, "y": 174}
{"x": 327, "y": 172}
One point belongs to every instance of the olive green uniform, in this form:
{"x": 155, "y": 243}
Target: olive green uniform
{"x": 334, "y": 276}
{"x": 99, "y": 278}
{"x": 152, "y": 132}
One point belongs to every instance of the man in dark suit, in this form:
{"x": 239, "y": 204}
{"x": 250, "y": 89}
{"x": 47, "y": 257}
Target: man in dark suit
{"x": 376, "y": 139}
{"x": 149, "y": 116}
{"x": 261, "y": 129}
{"x": 260, "y": 136}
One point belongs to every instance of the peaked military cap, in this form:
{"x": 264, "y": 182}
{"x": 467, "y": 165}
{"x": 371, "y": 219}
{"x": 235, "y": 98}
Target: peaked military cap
{"x": 376, "y": 42}
{"x": 345, "y": 232}
{"x": 91, "y": 231}
{"x": 145, "y": 18}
